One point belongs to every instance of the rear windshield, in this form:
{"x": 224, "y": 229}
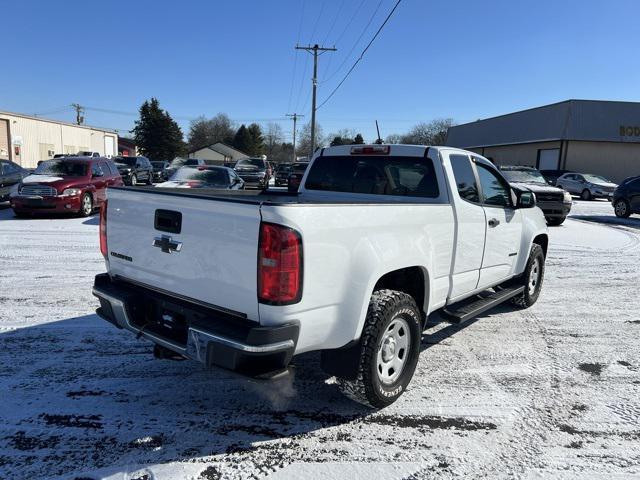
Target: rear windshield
{"x": 62, "y": 168}
{"x": 193, "y": 161}
{"x": 378, "y": 175}
{"x": 213, "y": 176}
{"x": 299, "y": 167}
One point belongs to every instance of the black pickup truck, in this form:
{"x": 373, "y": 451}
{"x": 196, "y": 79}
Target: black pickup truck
{"x": 554, "y": 202}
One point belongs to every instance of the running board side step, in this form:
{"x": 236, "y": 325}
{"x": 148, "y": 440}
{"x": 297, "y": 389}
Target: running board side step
{"x": 470, "y": 308}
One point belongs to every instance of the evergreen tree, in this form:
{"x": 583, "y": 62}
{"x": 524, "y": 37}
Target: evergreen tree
{"x": 243, "y": 140}
{"x": 358, "y": 140}
{"x": 156, "y": 134}
{"x": 257, "y": 140}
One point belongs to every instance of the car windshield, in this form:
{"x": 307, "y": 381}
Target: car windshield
{"x": 61, "y": 168}
{"x": 177, "y": 163}
{"x": 250, "y": 162}
{"x": 595, "y": 178}
{"x": 210, "y": 176}
{"x": 158, "y": 164}
{"x": 524, "y": 176}
{"x": 131, "y": 161}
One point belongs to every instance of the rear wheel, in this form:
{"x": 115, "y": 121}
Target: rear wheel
{"x": 531, "y": 279}
{"x": 622, "y": 209}
{"x": 586, "y": 194}
{"x": 134, "y": 180}
{"x": 86, "y": 205}
{"x": 389, "y": 350}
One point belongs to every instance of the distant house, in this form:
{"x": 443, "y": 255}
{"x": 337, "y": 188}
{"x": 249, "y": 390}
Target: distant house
{"x": 218, "y": 153}
{"x": 126, "y": 147}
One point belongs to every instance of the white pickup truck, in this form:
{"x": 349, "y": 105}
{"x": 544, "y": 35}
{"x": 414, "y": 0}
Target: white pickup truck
{"x": 377, "y": 238}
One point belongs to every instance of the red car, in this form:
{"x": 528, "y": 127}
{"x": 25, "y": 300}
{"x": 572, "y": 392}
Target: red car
{"x": 66, "y": 185}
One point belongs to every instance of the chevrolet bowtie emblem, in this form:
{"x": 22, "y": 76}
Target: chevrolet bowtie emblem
{"x": 167, "y": 244}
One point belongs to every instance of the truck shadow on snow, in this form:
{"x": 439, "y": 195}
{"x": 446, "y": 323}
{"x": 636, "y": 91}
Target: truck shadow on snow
{"x": 80, "y": 396}
{"x": 609, "y": 220}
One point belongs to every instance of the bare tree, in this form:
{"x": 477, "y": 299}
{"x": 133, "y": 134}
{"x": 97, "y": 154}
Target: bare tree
{"x": 432, "y": 133}
{"x": 273, "y": 137}
{"x": 393, "y": 138}
{"x": 204, "y": 132}
{"x": 304, "y": 145}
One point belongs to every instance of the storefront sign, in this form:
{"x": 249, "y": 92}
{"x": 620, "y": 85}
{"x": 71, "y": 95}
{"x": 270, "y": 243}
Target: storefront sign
{"x": 629, "y": 131}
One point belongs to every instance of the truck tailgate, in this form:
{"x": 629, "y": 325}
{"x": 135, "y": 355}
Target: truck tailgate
{"x": 217, "y": 261}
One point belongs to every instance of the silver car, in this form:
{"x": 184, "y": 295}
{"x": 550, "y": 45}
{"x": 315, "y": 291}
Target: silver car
{"x": 587, "y": 185}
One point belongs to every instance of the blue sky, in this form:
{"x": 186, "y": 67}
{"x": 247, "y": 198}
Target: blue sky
{"x": 464, "y": 59}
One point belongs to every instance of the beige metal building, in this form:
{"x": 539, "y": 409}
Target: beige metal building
{"x": 26, "y": 139}
{"x": 218, "y": 153}
{"x": 586, "y": 136}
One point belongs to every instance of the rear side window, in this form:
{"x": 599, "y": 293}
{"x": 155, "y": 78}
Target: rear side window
{"x": 112, "y": 168}
{"x": 465, "y": 178}
{"x": 377, "y": 175}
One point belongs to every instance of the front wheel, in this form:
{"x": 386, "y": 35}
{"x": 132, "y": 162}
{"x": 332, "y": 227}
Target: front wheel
{"x": 86, "y": 205}
{"x": 531, "y": 279}
{"x": 134, "y": 180}
{"x": 586, "y": 194}
{"x": 390, "y": 346}
{"x": 621, "y": 209}
{"x": 150, "y": 179}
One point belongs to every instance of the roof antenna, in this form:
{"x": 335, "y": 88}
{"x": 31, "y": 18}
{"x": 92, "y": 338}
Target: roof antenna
{"x": 379, "y": 140}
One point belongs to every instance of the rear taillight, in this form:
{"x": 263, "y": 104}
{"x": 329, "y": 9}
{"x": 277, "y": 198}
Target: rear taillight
{"x": 103, "y": 229}
{"x": 279, "y": 265}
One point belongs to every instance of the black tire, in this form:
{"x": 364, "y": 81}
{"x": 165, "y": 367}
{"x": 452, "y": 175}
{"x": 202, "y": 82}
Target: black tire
{"x": 622, "y": 208}
{"x": 555, "y": 221}
{"x": 86, "y": 205}
{"x": 530, "y": 295}
{"x": 586, "y": 195}
{"x": 134, "y": 180}
{"x": 389, "y": 311}
{"x": 150, "y": 179}
{"x": 20, "y": 214}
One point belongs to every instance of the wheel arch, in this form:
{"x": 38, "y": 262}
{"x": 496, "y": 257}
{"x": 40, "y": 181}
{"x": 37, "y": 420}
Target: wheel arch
{"x": 542, "y": 240}
{"x": 412, "y": 280}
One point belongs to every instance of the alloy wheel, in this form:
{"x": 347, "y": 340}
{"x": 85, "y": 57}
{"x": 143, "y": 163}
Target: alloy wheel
{"x": 393, "y": 351}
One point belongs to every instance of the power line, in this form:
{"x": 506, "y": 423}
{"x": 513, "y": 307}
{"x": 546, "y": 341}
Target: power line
{"x": 348, "y": 55}
{"x": 55, "y": 110}
{"x": 361, "y": 55}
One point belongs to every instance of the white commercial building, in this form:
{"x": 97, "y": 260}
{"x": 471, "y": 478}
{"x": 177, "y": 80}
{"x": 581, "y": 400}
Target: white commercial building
{"x": 26, "y": 139}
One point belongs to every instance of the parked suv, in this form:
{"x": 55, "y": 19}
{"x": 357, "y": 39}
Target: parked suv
{"x": 552, "y": 176}
{"x": 135, "y": 170}
{"x": 76, "y": 185}
{"x": 254, "y": 171}
{"x": 587, "y": 185}
{"x": 160, "y": 171}
{"x": 626, "y": 198}
{"x": 554, "y": 202}
{"x": 295, "y": 175}
{"x": 282, "y": 174}
{"x": 10, "y": 174}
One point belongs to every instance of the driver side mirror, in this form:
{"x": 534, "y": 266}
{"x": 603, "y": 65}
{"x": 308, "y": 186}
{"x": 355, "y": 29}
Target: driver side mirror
{"x": 526, "y": 200}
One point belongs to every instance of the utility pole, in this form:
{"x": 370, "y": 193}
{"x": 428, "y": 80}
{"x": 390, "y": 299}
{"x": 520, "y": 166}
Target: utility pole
{"x": 79, "y": 111}
{"x": 314, "y": 50}
{"x": 295, "y": 117}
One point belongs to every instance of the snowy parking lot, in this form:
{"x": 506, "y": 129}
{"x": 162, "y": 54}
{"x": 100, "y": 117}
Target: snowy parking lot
{"x": 549, "y": 392}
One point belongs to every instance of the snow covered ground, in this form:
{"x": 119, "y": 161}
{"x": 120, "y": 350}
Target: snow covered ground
{"x": 550, "y": 392}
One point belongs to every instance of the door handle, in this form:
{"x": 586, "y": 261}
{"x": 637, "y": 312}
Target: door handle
{"x": 494, "y": 222}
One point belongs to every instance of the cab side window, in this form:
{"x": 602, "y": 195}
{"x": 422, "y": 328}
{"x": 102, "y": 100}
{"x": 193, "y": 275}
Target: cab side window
{"x": 96, "y": 171}
{"x": 495, "y": 191}
{"x": 465, "y": 178}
